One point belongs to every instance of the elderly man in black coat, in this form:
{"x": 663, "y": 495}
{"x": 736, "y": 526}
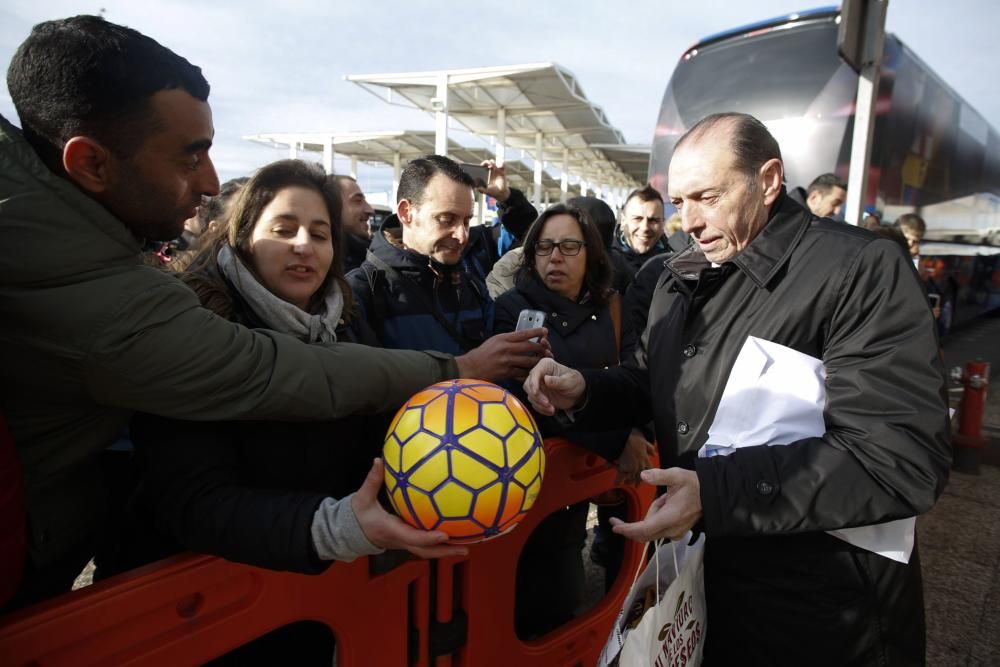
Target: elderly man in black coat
{"x": 780, "y": 589}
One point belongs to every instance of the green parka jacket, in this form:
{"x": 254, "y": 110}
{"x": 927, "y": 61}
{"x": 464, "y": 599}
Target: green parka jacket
{"x": 88, "y": 334}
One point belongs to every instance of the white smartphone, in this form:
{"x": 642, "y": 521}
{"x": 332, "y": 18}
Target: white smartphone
{"x": 530, "y": 319}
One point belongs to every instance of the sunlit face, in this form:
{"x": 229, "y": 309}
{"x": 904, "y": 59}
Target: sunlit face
{"x": 913, "y": 239}
{"x": 561, "y": 273}
{"x": 824, "y": 205}
{"x": 716, "y": 205}
{"x": 438, "y": 226}
{"x": 354, "y": 210}
{"x": 642, "y": 223}
{"x": 160, "y": 186}
{"x": 292, "y": 245}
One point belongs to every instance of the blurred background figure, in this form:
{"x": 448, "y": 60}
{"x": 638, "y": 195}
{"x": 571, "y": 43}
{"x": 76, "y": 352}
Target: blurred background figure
{"x": 355, "y": 212}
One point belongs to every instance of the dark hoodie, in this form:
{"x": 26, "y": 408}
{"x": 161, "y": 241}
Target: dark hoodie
{"x": 415, "y": 303}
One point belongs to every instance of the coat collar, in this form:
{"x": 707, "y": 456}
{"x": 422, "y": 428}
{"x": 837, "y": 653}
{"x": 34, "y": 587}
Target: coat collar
{"x": 767, "y": 253}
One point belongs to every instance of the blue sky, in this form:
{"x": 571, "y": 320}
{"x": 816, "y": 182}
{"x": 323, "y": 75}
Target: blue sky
{"x": 279, "y": 67}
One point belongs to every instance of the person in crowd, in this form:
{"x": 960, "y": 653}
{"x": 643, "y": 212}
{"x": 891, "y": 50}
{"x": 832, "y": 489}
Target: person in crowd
{"x": 640, "y": 234}
{"x": 201, "y": 229}
{"x": 355, "y": 213}
{"x": 213, "y": 213}
{"x": 113, "y": 149}
{"x": 566, "y": 273}
{"x": 779, "y": 588}
{"x": 824, "y": 197}
{"x": 826, "y": 194}
{"x": 501, "y": 278}
{"x": 222, "y": 487}
{"x": 677, "y": 240}
{"x": 914, "y": 229}
{"x": 413, "y": 288}
{"x": 872, "y": 217}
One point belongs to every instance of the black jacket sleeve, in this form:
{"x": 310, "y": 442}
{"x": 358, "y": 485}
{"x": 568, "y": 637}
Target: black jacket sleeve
{"x": 516, "y": 214}
{"x": 193, "y": 491}
{"x": 886, "y": 445}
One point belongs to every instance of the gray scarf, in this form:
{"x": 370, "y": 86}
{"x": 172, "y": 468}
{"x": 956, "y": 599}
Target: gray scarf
{"x": 278, "y": 314}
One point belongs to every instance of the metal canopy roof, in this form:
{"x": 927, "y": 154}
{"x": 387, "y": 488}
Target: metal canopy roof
{"x": 530, "y": 107}
{"x": 632, "y": 158}
{"x": 385, "y": 147}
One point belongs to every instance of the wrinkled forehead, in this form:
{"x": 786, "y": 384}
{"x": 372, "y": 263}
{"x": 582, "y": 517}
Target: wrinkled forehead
{"x": 701, "y": 163}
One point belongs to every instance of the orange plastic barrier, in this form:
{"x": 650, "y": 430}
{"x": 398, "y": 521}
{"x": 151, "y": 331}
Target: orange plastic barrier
{"x": 485, "y": 580}
{"x": 189, "y": 609}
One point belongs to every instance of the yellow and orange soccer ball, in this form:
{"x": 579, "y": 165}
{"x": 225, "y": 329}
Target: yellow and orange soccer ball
{"x": 464, "y": 457}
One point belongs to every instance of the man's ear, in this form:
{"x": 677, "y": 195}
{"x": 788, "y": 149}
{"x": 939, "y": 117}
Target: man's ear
{"x": 88, "y": 164}
{"x": 771, "y": 175}
{"x": 404, "y": 211}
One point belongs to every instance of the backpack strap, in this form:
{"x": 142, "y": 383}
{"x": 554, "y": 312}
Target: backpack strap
{"x": 376, "y": 280}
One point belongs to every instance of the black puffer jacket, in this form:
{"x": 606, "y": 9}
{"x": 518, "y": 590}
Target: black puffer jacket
{"x": 780, "y": 590}
{"x": 627, "y": 261}
{"x": 582, "y": 335}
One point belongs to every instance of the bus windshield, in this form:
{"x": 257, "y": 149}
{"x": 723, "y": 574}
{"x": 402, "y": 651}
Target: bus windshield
{"x": 747, "y": 73}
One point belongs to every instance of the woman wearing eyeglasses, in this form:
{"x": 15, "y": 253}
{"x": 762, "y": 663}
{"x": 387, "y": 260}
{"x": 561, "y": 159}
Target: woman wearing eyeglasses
{"x": 566, "y": 273}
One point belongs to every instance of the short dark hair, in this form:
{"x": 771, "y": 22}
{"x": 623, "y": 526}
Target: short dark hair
{"x": 826, "y": 182}
{"x": 752, "y": 143}
{"x": 913, "y": 222}
{"x": 84, "y": 76}
{"x": 646, "y": 193}
{"x": 414, "y": 179}
{"x": 599, "y": 275}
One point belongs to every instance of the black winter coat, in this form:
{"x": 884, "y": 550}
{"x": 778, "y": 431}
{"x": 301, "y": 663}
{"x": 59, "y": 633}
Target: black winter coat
{"x": 247, "y": 491}
{"x": 627, "y": 261}
{"x": 582, "y": 335}
{"x": 781, "y": 591}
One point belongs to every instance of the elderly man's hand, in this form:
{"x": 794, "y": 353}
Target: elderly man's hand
{"x": 508, "y": 355}
{"x": 551, "y": 386}
{"x": 672, "y": 514}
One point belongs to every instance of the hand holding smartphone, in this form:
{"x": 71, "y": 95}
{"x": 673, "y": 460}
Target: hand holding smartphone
{"x": 530, "y": 319}
{"x": 479, "y": 174}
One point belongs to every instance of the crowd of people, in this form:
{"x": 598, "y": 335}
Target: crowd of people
{"x": 189, "y": 366}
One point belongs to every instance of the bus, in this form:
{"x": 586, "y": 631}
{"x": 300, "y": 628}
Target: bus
{"x": 932, "y": 153}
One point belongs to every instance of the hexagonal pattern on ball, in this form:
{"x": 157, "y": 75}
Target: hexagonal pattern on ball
{"x": 464, "y": 457}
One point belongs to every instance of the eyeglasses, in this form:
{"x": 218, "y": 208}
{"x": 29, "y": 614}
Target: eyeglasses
{"x": 567, "y": 248}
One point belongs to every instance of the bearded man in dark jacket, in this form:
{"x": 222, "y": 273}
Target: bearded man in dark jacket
{"x": 779, "y": 588}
